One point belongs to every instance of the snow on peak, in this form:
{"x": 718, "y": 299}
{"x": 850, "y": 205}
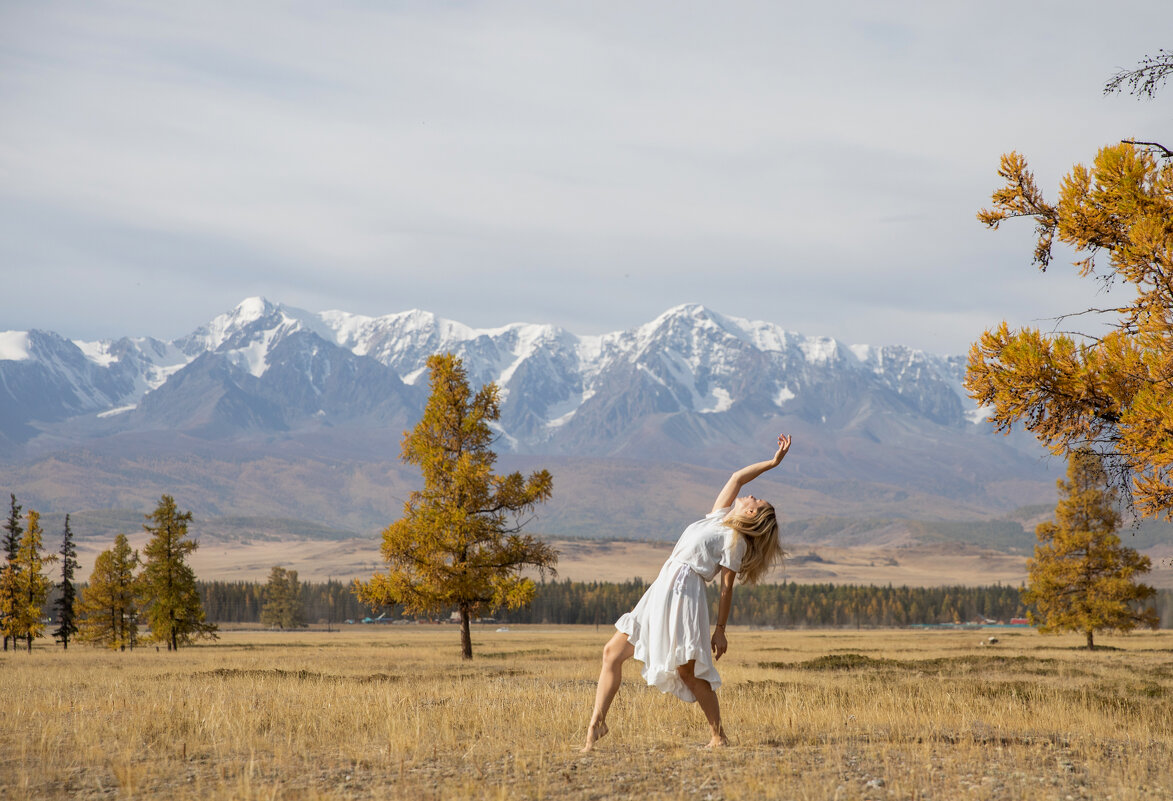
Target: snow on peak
{"x": 251, "y": 309}
{"x": 820, "y": 350}
{"x": 756, "y": 333}
{"x": 14, "y": 346}
{"x": 253, "y": 326}
{"x": 224, "y": 326}
{"x": 97, "y": 352}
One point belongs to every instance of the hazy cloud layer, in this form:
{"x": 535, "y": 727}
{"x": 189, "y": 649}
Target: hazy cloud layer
{"x": 586, "y": 164}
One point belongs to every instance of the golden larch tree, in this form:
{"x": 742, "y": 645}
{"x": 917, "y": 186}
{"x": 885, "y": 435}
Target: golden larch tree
{"x": 172, "y": 602}
{"x": 458, "y": 544}
{"x": 25, "y": 586}
{"x": 1081, "y": 578}
{"x": 110, "y": 601}
{"x": 1108, "y": 391}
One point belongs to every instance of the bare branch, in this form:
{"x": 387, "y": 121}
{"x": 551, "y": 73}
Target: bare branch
{"x": 1160, "y": 149}
{"x": 1146, "y": 79}
{"x": 1076, "y": 334}
{"x": 1060, "y": 317}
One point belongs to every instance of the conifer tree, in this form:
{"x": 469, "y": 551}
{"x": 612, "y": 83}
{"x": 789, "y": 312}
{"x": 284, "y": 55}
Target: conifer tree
{"x": 26, "y": 588}
{"x": 12, "y": 532}
{"x": 458, "y": 543}
{"x": 172, "y": 603}
{"x": 276, "y": 598}
{"x": 66, "y": 612}
{"x": 1107, "y": 392}
{"x": 109, "y": 603}
{"x": 295, "y": 617}
{"x": 283, "y": 606}
{"x": 1081, "y": 578}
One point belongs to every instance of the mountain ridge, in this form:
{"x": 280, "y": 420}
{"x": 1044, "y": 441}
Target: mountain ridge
{"x": 267, "y": 386}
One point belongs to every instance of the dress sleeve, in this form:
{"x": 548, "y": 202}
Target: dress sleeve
{"x": 733, "y": 552}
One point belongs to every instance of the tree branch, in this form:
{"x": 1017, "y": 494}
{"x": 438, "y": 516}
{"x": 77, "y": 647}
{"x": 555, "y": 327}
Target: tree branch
{"x": 1163, "y": 151}
{"x": 1145, "y": 79}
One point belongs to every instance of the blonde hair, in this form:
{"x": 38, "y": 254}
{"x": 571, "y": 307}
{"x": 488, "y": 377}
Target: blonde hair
{"x": 763, "y": 551}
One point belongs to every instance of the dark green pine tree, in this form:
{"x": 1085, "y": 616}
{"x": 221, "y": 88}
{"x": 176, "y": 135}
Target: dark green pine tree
{"x": 66, "y": 611}
{"x": 12, "y": 534}
{"x": 274, "y": 611}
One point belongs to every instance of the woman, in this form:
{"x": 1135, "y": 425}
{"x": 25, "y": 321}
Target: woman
{"x": 667, "y": 629}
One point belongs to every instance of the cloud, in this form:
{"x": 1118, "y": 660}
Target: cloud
{"x": 583, "y": 165}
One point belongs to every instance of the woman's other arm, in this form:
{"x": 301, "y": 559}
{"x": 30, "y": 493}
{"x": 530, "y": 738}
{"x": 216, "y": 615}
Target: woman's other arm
{"x": 748, "y": 473}
{"x": 719, "y": 643}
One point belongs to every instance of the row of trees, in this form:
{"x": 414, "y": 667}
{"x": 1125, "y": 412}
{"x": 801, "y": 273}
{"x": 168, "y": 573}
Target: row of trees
{"x": 600, "y": 603}
{"x": 789, "y": 605}
{"x": 119, "y": 595}
{"x": 290, "y": 604}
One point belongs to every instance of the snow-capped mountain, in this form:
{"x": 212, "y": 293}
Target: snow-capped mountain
{"x": 271, "y": 410}
{"x": 266, "y": 366}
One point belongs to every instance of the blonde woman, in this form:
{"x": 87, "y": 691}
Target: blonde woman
{"x": 669, "y": 628}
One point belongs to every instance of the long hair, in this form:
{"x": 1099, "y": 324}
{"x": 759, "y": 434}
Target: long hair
{"x": 763, "y": 551}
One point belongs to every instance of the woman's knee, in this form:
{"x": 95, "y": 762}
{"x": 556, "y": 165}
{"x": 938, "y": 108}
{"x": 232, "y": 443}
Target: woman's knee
{"x": 686, "y": 674}
{"x": 615, "y": 651}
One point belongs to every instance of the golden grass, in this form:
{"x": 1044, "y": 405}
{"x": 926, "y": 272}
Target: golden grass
{"x": 929, "y": 565}
{"x": 392, "y": 712}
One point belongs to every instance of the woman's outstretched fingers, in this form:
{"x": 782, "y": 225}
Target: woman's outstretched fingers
{"x": 783, "y": 447}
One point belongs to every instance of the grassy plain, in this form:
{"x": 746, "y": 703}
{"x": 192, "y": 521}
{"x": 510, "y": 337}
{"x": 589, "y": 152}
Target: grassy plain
{"x": 392, "y": 712}
{"x": 931, "y": 564}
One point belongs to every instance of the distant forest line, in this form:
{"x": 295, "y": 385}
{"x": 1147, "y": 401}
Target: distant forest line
{"x": 788, "y": 605}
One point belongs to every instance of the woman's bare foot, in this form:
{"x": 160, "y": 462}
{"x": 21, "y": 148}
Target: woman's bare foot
{"x": 718, "y": 741}
{"x": 595, "y": 731}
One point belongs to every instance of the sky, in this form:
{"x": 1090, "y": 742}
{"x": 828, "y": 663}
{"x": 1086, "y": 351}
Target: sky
{"x": 587, "y": 165}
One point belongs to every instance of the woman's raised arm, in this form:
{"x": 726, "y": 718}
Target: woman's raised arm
{"x": 728, "y": 493}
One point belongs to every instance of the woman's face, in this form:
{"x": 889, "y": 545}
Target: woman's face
{"x": 747, "y": 506}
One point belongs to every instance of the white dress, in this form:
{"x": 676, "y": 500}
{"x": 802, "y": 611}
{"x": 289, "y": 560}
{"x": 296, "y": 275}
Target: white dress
{"x": 670, "y": 625}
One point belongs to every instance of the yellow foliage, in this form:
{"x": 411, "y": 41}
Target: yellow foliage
{"x": 1112, "y": 393}
{"x": 1081, "y": 578}
{"x": 110, "y": 602}
{"x": 455, "y": 546}
{"x": 25, "y": 586}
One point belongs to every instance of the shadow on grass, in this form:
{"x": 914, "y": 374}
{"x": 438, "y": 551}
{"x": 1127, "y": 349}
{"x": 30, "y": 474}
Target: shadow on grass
{"x": 969, "y": 663}
{"x": 296, "y": 675}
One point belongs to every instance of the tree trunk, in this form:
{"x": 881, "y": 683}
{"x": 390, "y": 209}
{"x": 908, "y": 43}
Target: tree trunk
{"x": 1091, "y": 646}
{"x": 465, "y": 636}
{"x": 30, "y": 642}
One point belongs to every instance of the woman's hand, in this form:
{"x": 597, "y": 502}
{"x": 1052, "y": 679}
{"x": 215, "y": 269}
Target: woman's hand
{"x": 783, "y": 447}
{"x": 728, "y": 493}
{"x": 719, "y": 643}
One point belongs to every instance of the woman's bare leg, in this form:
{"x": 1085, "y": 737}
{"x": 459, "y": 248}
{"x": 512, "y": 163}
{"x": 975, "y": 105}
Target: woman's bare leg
{"x": 708, "y": 702}
{"x": 617, "y": 651}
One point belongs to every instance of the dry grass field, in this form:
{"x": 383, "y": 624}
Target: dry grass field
{"x": 392, "y": 712}
{"x": 604, "y": 560}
